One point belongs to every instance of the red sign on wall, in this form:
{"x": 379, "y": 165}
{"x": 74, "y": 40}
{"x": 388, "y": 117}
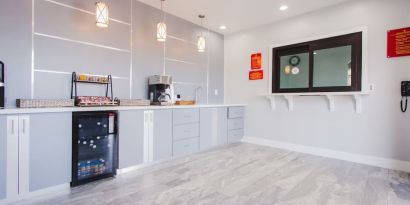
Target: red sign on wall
{"x": 398, "y": 43}
{"x": 256, "y": 61}
{"x": 256, "y": 75}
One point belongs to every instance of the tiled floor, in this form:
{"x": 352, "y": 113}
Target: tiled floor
{"x": 246, "y": 174}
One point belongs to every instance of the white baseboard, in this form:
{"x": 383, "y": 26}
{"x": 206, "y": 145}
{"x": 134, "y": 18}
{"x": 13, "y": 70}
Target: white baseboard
{"x": 43, "y": 192}
{"x": 357, "y": 158}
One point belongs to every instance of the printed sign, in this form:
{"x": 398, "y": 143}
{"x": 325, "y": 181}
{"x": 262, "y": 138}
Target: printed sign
{"x": 398, "y": 43}
{"x": 256, "y": 75}
{"x": 256, "y": 61}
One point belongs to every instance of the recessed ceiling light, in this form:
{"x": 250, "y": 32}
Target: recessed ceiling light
{"x": 222, "y": 27}
{"x": 283, "y": 7}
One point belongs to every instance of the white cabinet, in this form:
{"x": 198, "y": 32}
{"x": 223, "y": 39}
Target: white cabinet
{"x": 157, "y": 135}
{"x": 131, "y": 138}
{"x": 35, "y": 154}
{"x": 15, "y": 163}
{"x": 213, "y": 127}
{"x": 235, "y": 124}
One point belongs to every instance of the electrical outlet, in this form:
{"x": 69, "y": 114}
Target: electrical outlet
{"x": 372, "y": 87}
{"x": 216, "y": 92}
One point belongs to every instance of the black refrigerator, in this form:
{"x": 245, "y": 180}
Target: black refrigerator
{"x": 95, "y": 146}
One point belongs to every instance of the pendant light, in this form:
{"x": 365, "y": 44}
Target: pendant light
{"x": 201, "y": 37}
{"x": 162, "y": 27}
{"x": 101, "y": 14}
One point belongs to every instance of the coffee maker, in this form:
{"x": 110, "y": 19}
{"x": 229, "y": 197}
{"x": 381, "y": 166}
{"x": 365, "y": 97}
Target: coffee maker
{"x": 159, "y": 90}
{"x": 2, "y": 85}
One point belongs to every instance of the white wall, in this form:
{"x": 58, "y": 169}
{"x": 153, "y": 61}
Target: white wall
{"x": 42, "y": 42}
{"x": 380, "y": 131}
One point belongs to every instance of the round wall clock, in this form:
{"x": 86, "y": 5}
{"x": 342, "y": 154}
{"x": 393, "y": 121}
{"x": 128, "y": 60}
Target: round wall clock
{"x": 295, "y": 70}
{"x": 294, "y": 60}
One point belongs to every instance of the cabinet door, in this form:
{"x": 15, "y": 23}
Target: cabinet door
{"x": 213, "y": 127}
{"x": 131, "y": 138}
{"x": 162, "y": 134}
{"x": 9, "y": 157}
{"x": 50, "y": 150}
{"x": 3, "y": 156}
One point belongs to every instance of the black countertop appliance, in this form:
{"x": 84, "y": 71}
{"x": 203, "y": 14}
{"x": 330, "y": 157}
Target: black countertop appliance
{"x": 158, "y": 85}
{"x": 95, "y": 146}
{"x": 2, "y": 92}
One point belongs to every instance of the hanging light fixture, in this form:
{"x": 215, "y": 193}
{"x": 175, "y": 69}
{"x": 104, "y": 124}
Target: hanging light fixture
{"x": 201, "y": 37}
{"x": 101, "y": 14}
{"x": 162, "y": 27}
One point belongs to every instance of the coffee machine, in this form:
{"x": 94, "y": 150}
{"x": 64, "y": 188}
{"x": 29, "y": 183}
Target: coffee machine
{"x": 159, "y": 90}
{"x": 2, "y": 85}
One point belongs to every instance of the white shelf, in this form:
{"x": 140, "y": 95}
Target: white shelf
{"x": 330, "y": 97}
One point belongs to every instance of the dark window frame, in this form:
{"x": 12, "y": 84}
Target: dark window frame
{"x": 354, "y": 39}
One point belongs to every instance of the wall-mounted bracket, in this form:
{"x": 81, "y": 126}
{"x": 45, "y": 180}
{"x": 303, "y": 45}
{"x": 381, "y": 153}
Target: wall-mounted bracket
{"x": 330, "y": 97}
{"x": 331, "y": 101}
{"x": 289, "y": 99}
{"x": 358, "y": 101}
{"x": 272, "y": 101}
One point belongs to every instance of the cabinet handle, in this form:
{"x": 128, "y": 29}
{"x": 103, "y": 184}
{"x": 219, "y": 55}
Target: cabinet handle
{"x": 152, "y": 117}
{"x": 24, "y": 126}
{"x": 12, "y": 127}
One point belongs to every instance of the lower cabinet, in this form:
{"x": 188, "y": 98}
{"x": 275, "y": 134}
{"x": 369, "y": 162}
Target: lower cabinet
{"x": 50, "y": 150}
{"x": 131, "y": 138}
{"x": 35, "y": 152}
{"x": 162, "y": 134}
{"x": 213, "y": 127}
{"x": 186, "y": 146}
{"x": 3, "y": 157}
{"x": 235, "y": 124}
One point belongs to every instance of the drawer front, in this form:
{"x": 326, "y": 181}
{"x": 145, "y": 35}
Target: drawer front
{"x": 186, "y": 147}
{"x": 184, "y": 116}
{"x": 236, "y": 112}
{"x": 186, "y": 131}
{"x": 235, "y": 124}
{"x": 235, "y": 136}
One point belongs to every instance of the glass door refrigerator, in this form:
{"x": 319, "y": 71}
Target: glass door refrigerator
{"x": 95, "y": 146}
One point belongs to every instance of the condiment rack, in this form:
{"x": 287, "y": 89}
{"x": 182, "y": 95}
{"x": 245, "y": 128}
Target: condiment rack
{"x": 90, "y": 101}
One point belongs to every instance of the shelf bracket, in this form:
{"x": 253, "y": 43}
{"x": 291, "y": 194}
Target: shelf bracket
{"x": 289, "y": 99}
{"x": 331, "y": 101}
{"x": 358, "y": 100}
{"x": 272, "y": 102}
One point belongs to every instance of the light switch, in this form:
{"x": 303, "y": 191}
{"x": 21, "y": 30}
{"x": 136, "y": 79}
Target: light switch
{"x": 216, "y": 92}
{"x": 371, "y": 87}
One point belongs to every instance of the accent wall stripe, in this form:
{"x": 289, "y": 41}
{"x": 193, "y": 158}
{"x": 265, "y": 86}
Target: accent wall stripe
{"x": 68, "y": 73}
{"x": 180, "y": 61}
{"x": 32, "y": 48}
{"x": 181, "y": 39}
{"x": 81, "y": 42}
{"x": 187, "y": 83}
{"x": 85, "y": 11}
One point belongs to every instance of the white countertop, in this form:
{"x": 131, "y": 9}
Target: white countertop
{"x": 12, "y": 111}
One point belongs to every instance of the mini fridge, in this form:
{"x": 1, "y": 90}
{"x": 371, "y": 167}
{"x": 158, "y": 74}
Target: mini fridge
{"x": 95, "y": 146}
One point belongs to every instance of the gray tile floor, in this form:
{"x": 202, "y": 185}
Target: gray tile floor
{"x": 245, "y": 174}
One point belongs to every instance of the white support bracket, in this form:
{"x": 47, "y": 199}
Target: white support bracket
{"x": 290, "y": 100}
{"x": 272, "y": 101}
{"x": 330, "y": 97}
{"x": 331, "y": 101}
{"x": 358, "y": 100}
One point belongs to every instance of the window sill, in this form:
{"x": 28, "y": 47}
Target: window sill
{"x": 330, "y": 96}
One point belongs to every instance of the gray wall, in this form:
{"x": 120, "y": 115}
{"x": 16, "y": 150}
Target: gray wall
{"x": 64, "y": 39}
{"x": 381, "y": 130}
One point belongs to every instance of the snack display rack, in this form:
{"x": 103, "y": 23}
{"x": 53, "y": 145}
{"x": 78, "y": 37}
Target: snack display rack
{"x": 92, "y": 101}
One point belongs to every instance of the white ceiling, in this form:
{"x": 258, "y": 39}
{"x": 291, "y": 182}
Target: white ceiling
{"x": 239, "y": 15}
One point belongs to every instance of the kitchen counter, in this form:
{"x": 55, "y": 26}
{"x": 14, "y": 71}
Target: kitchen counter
{"x": 12, "y": 111}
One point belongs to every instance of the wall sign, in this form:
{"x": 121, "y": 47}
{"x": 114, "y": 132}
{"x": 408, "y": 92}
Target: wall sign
{"x": 256, "y": 61}
{"x": 256, "y": 75}
{"x": 398, "y": 42}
